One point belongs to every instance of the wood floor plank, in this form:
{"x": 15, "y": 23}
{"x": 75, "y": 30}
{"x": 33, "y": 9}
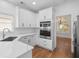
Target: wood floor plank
{"x": 63, "y": 50}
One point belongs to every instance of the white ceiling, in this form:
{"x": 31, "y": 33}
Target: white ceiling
{"x": 40, "y": 4}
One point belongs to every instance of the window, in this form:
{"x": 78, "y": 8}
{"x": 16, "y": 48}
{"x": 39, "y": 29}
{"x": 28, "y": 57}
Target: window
{"x": 5, "y": 22}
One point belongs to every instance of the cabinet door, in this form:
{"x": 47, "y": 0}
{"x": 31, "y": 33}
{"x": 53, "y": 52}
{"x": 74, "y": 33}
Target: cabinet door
{"x": 45, "y": 43}
{"x": 22, "y": 18}
{"x": 46, "y": 14}
{"x": 24, "y": 39}
{"x": 37, "y": 39}
{"x": 41, "y": 16}
{"x": 48, "y": 44}
{"x": 26, "y": 18}
{"x": 37, "y": 23}
{"x": 42, "y": 43}
{"x": 31, "y": 40}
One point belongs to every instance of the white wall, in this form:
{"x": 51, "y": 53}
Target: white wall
{"x": 69, "y": 8}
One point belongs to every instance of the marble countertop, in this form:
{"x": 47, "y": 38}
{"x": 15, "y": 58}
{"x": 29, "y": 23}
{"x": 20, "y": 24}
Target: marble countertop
{"x": 18, "y": 35}
{"x": 13, "y": 49}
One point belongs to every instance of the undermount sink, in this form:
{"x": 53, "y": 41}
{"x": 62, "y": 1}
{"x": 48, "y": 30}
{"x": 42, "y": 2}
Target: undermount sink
{"x": 9, "y": 39}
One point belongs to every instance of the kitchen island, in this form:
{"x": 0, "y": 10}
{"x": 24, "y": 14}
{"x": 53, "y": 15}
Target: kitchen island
{"x": 15, "y": 49}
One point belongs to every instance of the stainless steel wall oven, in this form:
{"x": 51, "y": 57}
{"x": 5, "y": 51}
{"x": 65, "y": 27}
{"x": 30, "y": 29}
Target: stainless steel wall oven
{"x": 45, "y": 29}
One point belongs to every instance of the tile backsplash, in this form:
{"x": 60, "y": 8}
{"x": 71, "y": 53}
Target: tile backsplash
{"x": 20, "y": 31}
{"x": 26, "y": 30}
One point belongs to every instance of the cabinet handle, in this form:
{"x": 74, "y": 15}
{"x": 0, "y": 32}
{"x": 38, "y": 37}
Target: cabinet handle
{"x": 44, "y": 17}
{"x": 28, "y": 41}
{"x": 44, "y": 41}
{"x": 25, "y": 38}
{"x": 45, "y": 44}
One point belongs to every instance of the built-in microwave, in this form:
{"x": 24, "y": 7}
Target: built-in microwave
{"x": 45, "y": 24}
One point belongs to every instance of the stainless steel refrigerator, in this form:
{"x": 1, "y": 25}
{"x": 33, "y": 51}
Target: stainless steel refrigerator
{"x": 76, "y": 38}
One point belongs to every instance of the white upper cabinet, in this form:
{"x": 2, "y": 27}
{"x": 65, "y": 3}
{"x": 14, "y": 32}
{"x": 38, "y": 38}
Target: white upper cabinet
{"x": 37, "y": 20}
{"x": 46, "y": 14}
{"x": 26, "y": 18}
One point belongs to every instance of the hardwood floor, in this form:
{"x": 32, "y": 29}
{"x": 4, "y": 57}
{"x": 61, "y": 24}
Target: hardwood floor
{"x": 63, "y": 50}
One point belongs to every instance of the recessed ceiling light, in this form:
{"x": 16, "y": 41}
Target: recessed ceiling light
{"x": 21, "y": 2}
{"x": 34, "y": 3}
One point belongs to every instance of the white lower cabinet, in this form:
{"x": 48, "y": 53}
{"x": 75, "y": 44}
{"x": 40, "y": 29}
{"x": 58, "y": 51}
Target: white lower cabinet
{"x": 45, "y": 43}
{"x": 24, "y": 39}
{"x": 36, "y": 40}
{"x": 30, "y": 40}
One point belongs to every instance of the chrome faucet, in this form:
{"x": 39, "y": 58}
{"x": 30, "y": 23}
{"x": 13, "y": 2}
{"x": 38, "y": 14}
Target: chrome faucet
{"x": 4, "y": 32}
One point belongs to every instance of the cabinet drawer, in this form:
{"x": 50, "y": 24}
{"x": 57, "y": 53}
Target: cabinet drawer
{"x": 46, "y": 43}
{"x": 24, "y": 39}
{"x": 49, "y": 44}
{"x": 31, "y": 39}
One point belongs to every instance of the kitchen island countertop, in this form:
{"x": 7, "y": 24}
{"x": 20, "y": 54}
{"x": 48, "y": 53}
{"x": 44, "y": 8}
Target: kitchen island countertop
{"x": 13, "y": 49}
